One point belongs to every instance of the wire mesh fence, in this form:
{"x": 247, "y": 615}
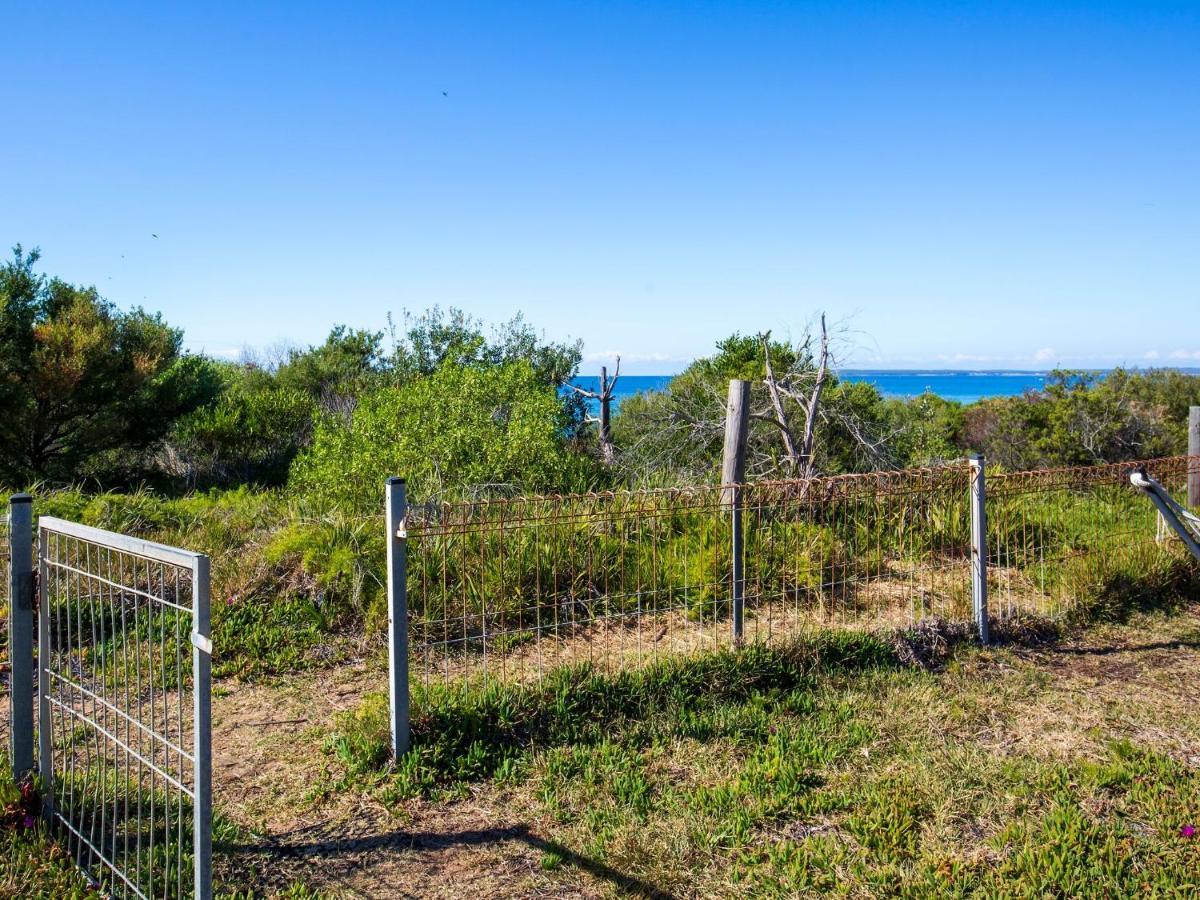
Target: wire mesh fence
{"x": 510, "y": 588}
{"x": 1062, "y": 538}
{"x": 124, "y": 721}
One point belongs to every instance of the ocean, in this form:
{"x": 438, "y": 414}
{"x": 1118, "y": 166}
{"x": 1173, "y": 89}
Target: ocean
{"x": 963, "y": 386}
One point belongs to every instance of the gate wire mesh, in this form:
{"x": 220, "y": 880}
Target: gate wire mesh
{"x": 510, "y": 588}
{"x": 118, "y": 693}
{"x": 1058, "y": 538}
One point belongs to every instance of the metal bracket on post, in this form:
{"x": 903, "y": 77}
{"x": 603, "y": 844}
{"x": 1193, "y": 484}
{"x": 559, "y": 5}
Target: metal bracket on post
{"x": 20, "y": 633}
{"x": 979, "y": 547}
{"x": 396, "y": 508}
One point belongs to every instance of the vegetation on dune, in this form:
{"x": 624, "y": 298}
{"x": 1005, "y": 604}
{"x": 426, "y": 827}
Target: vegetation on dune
{"x": 274, "y": 467}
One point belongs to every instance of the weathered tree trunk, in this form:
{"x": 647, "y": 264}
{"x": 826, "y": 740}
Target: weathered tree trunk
{"x": 814, "y": 405}
{"x": 607, "y": 450}
{"x": 789, "y": 443}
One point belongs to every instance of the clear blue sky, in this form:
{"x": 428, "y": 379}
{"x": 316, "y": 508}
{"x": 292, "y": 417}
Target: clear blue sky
{"x": 971, "y": 185}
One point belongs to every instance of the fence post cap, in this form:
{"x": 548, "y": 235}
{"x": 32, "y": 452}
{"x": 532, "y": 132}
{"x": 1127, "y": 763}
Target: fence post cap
{"x": 975, "y": 457}
{"x": 395, "y": 479}
{"x": 20, "y": 498}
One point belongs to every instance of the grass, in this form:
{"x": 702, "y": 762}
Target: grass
{"x": 825, "y": 768}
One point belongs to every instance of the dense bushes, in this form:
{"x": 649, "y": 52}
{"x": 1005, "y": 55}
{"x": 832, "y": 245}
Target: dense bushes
{"x": 460, "y": 426}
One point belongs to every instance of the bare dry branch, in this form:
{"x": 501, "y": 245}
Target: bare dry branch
{"x": 789, "y": 445}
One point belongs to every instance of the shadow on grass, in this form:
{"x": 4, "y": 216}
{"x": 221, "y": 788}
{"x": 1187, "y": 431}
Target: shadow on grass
{"x": 1139, "y": 648}
{"x": 331, "y": 848}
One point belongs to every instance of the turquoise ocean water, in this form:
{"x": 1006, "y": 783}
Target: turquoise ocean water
{"x": 963, "y": 386}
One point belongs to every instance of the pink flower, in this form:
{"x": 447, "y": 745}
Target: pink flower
{"x": 1188, "y": 831}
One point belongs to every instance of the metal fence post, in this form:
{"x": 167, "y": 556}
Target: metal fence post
{"x": 45, "y": 731}
{"x": 733, "y": 474}
{"x": 20, "y": 632}
{"x": 979, "y": 547}
{"x": 1193, "y": 478}
{"x": 202, "y": 726}
{"x": 397, "y": 589}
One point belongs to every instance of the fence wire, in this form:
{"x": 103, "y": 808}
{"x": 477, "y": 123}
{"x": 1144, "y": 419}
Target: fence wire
{"x": 1061, "y": 540}
{"x": 511, "y": 588}
{"x": 117, "y": 707}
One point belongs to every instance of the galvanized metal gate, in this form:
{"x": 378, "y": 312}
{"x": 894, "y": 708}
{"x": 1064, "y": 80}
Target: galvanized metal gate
{"x": 125, "y": 728}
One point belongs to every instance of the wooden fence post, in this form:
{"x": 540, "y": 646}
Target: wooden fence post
{"x": 20, "y": 633}
{"x": 733, "y": 475}
{"x": 397, "y": 594}
{"x": 1193, "y": 480}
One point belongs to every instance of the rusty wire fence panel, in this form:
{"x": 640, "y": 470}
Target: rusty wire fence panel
{"x": 124, "y": 709}
{"x": 886, "y": 548}
{"x": 1059, "y": 539}
{"x": 511, "y": 588}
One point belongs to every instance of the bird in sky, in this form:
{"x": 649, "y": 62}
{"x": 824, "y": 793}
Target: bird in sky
{"x": 153, "y": 235}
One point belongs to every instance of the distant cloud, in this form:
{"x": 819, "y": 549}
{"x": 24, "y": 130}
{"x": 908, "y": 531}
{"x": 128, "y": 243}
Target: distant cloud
{"x": 969, "y": 358}
{"x": 610, "y": 355}
{"x": 1046, "y": 354}
{"x": 230, "y": 353}
{"x": 1151, "y": 354}
{"x": 1185, "y": 354}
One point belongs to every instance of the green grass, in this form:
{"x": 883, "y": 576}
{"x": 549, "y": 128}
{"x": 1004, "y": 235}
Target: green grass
{"x": 31, "y": 865}
{"x": 465, "y": 732}
{"x": 820, "y": 768}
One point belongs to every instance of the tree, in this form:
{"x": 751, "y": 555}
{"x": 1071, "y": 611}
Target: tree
{"x": 804, "y": 420}
{"x": 250, "y": 434}
{"x": 336, "y": 373}
{"x": 81, "y": 381}
{"x": 460, "y": 429}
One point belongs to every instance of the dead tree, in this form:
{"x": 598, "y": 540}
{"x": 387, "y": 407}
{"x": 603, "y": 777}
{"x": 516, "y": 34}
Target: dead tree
{"x": 800, "y": 460}
{"x": 604, "y": 420}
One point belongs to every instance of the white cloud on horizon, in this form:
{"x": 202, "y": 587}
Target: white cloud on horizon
{"x": 610, "y": 355}
{"x": 1046, "y": 354}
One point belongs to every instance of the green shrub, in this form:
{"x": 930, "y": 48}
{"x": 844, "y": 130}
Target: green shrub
{"x": 461, "y": 426}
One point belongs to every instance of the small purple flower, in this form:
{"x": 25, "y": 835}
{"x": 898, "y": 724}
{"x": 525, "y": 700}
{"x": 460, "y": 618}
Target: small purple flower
{"x": 1188, "y": 831}
{"x": 29, "y": 821}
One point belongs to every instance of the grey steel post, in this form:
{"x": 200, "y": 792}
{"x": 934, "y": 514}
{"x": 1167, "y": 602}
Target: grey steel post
{"x": 733, "y": 474}
{"x": 397, "y": 588}
{"x": 45, "y": 729}
{"x": 979, "y": 547}
{"x": 202, "y": 726}
{"x": 738, "y": 548}
{"x": 20, "y": 632}
{"x": 1193, "y": 478}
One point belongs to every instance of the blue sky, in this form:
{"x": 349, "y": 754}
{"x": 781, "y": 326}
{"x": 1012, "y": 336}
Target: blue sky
{"x": 965, "y": 185}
